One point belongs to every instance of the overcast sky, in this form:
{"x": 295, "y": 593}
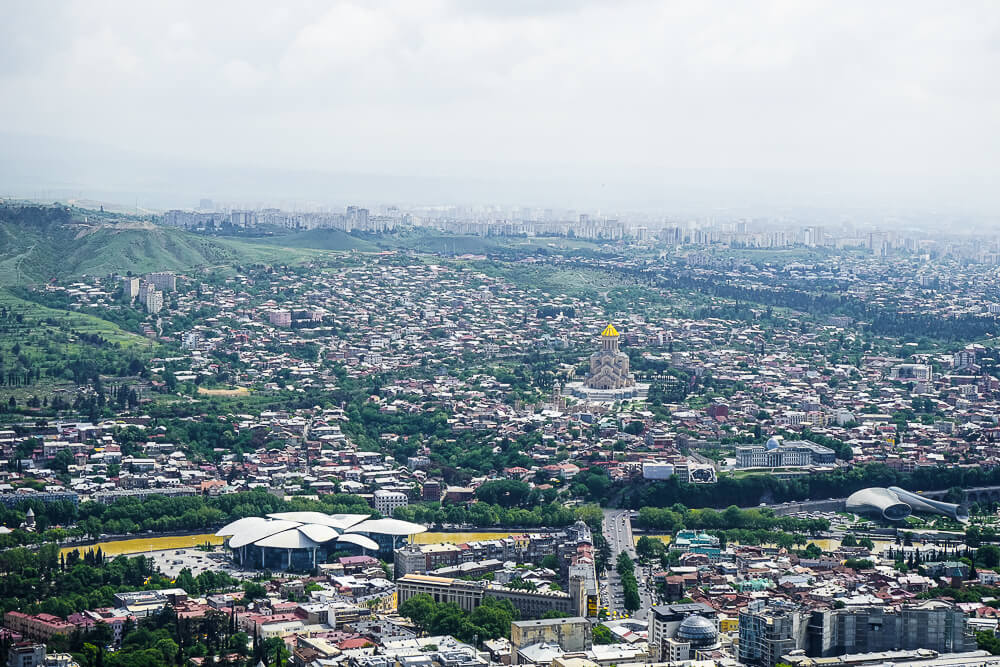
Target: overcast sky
{"x": 876, "y": 99}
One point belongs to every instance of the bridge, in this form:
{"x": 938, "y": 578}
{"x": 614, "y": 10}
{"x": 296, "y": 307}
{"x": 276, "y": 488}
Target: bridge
{"x": 978, "y": 494}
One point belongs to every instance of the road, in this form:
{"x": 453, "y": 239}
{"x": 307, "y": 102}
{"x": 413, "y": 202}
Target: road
{"x": 617, "y": 529}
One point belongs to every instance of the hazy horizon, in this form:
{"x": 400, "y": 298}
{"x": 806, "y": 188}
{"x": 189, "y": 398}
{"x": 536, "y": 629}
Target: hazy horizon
{"x": 761, "y": 108}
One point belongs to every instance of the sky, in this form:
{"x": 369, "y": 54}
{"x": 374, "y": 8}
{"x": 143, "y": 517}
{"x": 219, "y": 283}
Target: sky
{"x": 644, "y": 104}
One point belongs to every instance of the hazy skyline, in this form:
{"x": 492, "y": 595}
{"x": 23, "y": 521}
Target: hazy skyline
{"x": 622, "y": 104}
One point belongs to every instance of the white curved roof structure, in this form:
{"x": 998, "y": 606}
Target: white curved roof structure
{"x": 338, "y": 521}
{"x": 318, "y": 532}
{"x": 240, "y": 525}
{"x": 387, "y": 527}
{"x": 288, "y": 539}
{"x": 257, "y": 532}
{"x": 359, "y": 540}
{"x": 308, "y": 530}
{"x": 895, "y": 504}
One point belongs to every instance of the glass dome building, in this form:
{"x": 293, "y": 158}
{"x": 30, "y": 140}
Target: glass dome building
{"x": 698, "y": 631}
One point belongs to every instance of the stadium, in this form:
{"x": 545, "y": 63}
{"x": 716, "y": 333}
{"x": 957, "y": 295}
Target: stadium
{"x": 301, "y": 540}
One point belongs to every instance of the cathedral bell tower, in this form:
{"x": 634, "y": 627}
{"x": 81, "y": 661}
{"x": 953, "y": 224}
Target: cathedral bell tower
{"x": 609, "y": 339}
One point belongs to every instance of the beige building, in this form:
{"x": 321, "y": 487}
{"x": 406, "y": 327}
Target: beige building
{"x": 469, "y": 594}
{"x": 571, "y": 634}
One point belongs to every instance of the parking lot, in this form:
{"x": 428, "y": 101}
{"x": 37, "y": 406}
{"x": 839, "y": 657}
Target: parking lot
{"x": 172, "y": 561}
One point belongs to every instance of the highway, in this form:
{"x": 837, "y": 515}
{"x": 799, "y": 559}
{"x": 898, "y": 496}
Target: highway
{"x": 617, "y": 529}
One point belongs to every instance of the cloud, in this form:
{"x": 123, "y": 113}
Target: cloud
{"x": 896, "y": 87}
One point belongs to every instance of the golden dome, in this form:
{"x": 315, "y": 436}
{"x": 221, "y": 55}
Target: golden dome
{"x": 610, "y": 331}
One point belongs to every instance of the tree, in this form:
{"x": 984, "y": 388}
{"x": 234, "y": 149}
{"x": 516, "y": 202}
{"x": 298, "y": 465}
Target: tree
{"x": 630, "y": 588}
{"x": 813, "y": 550}
{"x": 253, "y": 591}
{"x": 591, "y": 514}
{"x": 988, "y": 555}
{"x": 650, "y": 547}
{"x": 186, "y": 581}
{"x": 624, "y": 563}
{"x": 274, "y": 648}
{"x": 955, "y": 494}
{"x": 62, "y": 460}
{"x": 602, "y": 634}
{"x": 493, "y": 617}
{"x": 504, "y": 492}
{"x": 418, "y": 609}
{"x": 987, "y": 641}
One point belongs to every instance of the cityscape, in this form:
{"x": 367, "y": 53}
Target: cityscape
{"x": 457, "y": 334}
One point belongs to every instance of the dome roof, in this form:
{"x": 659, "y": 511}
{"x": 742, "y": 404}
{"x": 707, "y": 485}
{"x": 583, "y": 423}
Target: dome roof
{"x": 610, "y": 331}
{"x": 697, "y": 630}
{"x": 773, "y": 443}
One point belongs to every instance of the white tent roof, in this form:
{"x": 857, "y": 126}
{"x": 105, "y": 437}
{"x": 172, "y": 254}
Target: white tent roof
{"x": 339, "y": 521}
{"x": 318, "y": 533}
{"x": 387, "y": 527}
{"x": 287, "y": 539}
{"x": 306, "y": 530}
{"x": 253, "y": 534}
{"x": 240, "y": 525}
{"x": 359, "y": 540}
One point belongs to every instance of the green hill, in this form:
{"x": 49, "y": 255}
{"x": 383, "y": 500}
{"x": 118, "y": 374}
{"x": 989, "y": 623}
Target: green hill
{"x": 319, "y": 239}
{"x": 39, "y": 243}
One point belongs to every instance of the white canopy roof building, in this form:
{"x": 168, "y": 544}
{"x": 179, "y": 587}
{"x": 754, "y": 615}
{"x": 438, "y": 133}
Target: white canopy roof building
{"x": 298, "y": 540}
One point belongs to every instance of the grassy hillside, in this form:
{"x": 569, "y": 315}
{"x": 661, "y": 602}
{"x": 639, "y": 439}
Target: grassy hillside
{"x": 433, "y": 241}
{"x": 38, "y": 243}
{"x": 318, "y": 239}
{"x": 420, "y": 240}
{"x": 46, "y": 353}
{"x": 38, "y": 319}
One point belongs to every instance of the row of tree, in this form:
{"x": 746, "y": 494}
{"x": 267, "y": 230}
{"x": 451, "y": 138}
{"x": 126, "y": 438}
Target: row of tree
{"x": 630, "y": 586}
{"x": 752, "y": 490}
{"x": 678, "y": 517}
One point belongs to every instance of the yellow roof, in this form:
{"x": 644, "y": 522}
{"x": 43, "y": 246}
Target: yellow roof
{"x": 610, "y": 331}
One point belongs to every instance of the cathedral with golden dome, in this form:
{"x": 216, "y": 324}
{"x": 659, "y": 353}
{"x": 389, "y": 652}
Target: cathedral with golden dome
{"x": 609, "y": 378}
